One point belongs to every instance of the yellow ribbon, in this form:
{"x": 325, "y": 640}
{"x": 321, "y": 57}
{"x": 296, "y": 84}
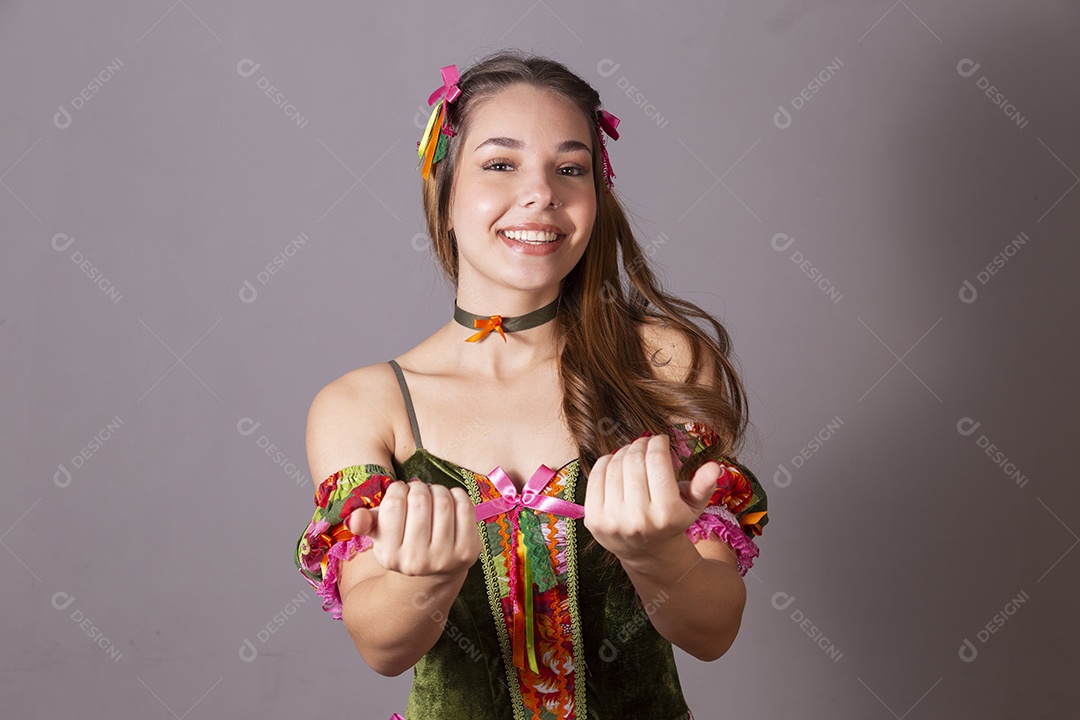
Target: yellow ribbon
{"x": 524, "y": 634}
{"x": 431, "y": 135}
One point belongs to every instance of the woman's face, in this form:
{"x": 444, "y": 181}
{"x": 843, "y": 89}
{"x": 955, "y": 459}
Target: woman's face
{"x": 523, "y": 204}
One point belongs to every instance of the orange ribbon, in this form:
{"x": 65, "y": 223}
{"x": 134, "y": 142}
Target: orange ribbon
{"x": 333, "y": 535}
{"x": 486, "y": 325}
{"x": 750, "y": 520}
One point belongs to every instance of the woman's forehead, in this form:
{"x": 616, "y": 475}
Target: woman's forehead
{"x": 523, "y": 112}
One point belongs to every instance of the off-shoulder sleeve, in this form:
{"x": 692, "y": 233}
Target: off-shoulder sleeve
{"x": 327, "y": 541}
{"x": 737, "y": 510}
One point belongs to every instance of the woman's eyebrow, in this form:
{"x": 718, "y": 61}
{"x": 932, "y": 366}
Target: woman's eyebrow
{"x": 515, "y": 144}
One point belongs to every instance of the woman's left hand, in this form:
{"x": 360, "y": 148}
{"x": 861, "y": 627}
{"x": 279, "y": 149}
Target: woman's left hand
{"x": 634, "y": 506}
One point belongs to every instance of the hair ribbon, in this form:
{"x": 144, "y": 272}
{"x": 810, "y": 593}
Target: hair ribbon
{"x": 607, "y": 123}
{"x": 432, "y": 147}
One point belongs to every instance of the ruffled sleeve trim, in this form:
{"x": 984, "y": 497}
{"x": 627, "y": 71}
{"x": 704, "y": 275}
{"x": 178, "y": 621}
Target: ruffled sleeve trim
{"x": 327, "y": 589}
{"x": 720, "y": 521}
{"x": 326, "y": 541}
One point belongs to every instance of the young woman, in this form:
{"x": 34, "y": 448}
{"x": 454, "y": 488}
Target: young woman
{"x": 547, "y": 484}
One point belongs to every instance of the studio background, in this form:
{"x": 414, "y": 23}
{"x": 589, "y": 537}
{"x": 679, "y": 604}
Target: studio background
{"x": 210, "y": 210}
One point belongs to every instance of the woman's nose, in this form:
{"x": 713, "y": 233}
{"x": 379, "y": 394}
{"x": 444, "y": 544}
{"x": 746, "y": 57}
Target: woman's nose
{"x": 538, "y": 189}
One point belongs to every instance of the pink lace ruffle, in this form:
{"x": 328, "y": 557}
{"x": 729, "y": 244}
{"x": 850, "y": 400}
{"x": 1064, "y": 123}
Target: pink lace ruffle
{"x": 328, "y": 589}
{"x": 722, "y": 522}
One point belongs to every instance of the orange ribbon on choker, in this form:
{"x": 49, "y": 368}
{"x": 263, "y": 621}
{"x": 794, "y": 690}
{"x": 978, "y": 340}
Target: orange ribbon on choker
{"x": 486, "y": 325}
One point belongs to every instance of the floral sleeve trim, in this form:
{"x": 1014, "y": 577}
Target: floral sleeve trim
{"x": 737, "y": 489}
{"x": 326, "y": 541}
{"x": 721, "y": 522}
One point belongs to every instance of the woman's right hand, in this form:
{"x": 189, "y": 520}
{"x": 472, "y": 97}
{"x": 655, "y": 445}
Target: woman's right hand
{"x": 421, "y": 529}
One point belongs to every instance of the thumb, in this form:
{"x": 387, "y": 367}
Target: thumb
{"x": 361, "y": 521}
{"x": 702, "y": 486}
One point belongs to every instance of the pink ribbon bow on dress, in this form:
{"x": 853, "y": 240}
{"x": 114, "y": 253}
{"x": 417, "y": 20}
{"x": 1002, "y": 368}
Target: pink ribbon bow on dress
{"x": 523, "y": 639}
{"x": 530, "y": 496}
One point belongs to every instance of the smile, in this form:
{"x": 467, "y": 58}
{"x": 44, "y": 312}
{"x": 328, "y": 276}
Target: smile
{"x": 532, "y": 237}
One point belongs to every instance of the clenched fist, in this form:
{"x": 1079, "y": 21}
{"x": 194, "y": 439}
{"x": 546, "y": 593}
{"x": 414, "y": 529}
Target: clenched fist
{"x": 420, "y": 529}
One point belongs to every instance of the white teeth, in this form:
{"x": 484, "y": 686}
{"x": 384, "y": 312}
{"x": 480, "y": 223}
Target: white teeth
{"x": 531, "y": 236}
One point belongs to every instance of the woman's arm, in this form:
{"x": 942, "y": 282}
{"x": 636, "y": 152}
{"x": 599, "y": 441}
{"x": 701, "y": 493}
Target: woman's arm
{"x": 680, "y": 578}
{"x": 393, "y": 618}
{"x": 693, "y": 594}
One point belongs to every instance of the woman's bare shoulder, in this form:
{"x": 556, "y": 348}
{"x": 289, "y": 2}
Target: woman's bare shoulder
{"x": 351, "y": 421}
{"x": 670, "y": 352}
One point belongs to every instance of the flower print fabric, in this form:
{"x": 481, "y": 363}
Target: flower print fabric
{"x": 326, "y": 541}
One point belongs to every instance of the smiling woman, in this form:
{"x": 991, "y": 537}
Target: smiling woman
{"x": 523, "y": 206}
{"x": 545, "y": 587}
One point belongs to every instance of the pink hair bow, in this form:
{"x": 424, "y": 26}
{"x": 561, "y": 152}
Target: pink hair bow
{"x": 607, "y": 123}
{"x": 449, "y": 88}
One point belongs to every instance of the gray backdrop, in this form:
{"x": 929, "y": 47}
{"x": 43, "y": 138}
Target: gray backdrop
{"x": 210, "y": 210}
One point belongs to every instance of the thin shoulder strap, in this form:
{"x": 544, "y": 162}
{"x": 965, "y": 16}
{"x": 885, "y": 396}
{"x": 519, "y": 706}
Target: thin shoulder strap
{"x": 408, "y": 403}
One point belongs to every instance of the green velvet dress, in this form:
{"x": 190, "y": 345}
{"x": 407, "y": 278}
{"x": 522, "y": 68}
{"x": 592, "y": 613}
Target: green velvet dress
{"x": 541, "y": 629}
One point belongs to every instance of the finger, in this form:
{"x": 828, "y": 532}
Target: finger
{"x": 361, "y": 521}
{"x": 613, "y": 490}
{"x": 391, "y": 525}
{"x": 661, "y": 471}
{"x": 703, "y": 485}
{"x": 594, "y": 487}
{"x": 442, "y": 519}
{"x": 418, "y": 516}
{"x": 466, "y": 537}
{"x": 634, "y": 480}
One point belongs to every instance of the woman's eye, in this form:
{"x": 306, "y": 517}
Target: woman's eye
{"x": 498, "y": 165}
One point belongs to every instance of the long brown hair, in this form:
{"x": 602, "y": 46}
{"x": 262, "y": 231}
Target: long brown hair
{"x": 610, "y": 393}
